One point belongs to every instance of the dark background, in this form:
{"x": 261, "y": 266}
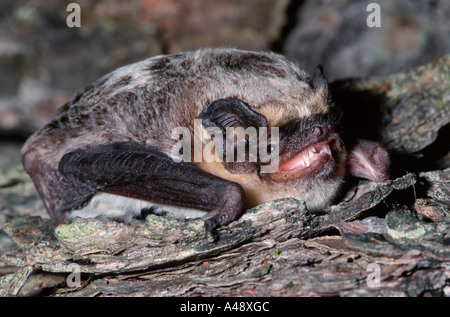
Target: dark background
{"x": 43, "y": 61}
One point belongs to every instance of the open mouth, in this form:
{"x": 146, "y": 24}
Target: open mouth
{"x": 310, "y": 159}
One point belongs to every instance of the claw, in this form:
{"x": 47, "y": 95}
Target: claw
{"x": 210, "y": 224}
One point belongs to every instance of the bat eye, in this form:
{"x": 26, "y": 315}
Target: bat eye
{"x": 316, "y": 131}
{"x": 271, "y": 148}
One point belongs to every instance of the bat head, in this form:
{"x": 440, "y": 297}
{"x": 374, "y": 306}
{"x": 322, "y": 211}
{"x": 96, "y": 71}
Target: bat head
{"x": 299, "y": 150}
{"x": 310, "y": 148}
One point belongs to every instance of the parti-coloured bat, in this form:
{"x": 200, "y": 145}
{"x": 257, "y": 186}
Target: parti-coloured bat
{"x": 111, "y": 148}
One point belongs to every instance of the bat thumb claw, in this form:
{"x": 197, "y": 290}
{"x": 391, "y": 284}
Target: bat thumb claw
{"x": 210, "y": 224}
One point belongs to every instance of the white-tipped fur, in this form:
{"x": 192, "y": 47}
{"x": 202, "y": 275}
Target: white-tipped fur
{"x": 125, "y": 208}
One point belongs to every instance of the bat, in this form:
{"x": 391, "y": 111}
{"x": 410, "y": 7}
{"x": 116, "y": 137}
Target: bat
{"x": 112, "y": 148}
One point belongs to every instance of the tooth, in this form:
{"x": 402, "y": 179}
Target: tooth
{"x": 307, "y": 160}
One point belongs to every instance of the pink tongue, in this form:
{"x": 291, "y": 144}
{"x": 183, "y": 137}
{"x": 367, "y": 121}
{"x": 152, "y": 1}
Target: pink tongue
{"x": 305, "y": 158}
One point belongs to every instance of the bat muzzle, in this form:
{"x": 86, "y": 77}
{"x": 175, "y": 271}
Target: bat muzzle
{"x": 317, "y": 159}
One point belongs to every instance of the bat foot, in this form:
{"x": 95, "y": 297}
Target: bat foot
{"x": 369, "y": 160}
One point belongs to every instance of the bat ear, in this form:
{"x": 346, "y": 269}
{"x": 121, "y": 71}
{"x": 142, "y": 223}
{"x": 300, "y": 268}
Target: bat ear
{"x": 319, "y": 81}
{"x": 223, "y": 113}
{"x": 233, "y": 113}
